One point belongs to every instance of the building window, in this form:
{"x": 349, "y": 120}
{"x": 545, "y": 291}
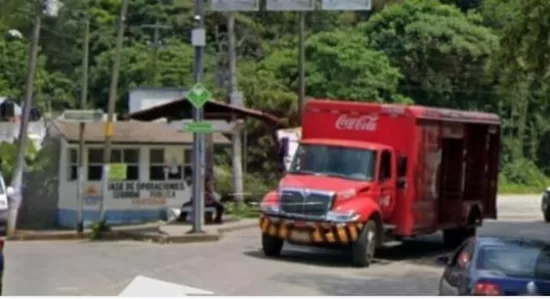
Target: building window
{"x": 72, "y": 173}
{"x": 95, "y": 164}
{"x": 188, "y": 165}
{"x": 128, "y": 156}
{"x": 161, "y": 169}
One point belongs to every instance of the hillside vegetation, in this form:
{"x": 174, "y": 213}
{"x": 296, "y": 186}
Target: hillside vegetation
{"x": 490, "y": 55}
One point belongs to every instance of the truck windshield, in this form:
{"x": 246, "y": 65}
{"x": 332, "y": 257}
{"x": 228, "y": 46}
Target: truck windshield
{"x": 344, "y": 162}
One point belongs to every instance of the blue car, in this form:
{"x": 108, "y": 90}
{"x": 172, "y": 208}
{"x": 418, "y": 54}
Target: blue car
{"x": 496, "y": 266}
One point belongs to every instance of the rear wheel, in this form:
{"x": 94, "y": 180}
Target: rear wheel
{"x": 272, "y": 246}
{"x": 547, "y": 216}
{"x": 362, "y": 250}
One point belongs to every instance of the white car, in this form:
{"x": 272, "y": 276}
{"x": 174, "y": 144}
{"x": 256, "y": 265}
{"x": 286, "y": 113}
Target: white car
{"x": 5, "y": 193}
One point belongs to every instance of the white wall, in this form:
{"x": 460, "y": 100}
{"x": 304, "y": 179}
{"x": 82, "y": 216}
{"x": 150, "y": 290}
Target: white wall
{"x": 145, "y": 200}
{"x": 145, "y": 98}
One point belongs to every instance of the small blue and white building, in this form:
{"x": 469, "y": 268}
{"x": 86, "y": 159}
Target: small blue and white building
{"x": 158, "y": 163}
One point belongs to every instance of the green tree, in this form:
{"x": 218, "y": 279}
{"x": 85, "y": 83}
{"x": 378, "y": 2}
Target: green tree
{"x": 339, "y": 66}
{"x": 443, "y": 64}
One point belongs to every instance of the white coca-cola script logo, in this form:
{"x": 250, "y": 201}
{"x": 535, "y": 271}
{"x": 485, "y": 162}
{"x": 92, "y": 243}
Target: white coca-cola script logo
{"x": 357, "y": 123}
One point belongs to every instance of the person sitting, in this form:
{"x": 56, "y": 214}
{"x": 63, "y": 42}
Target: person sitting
{"x": 211, "y": 199}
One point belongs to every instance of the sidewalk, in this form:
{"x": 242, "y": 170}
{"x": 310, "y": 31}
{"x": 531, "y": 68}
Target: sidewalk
{"x": 159, "y": 233}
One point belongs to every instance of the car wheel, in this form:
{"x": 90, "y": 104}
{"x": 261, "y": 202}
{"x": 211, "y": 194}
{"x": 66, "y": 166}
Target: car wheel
{"x": 547, "y": 216}
{"x": 363, "y": 249}
{"x": 272, "y": 246}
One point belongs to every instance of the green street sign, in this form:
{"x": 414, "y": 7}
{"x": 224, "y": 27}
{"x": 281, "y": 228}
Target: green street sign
{"x": 82, "y": 116}
{"x": 117, "y": 171}
{"x": 198, "y": 127}
{"x": 198, "y": 95}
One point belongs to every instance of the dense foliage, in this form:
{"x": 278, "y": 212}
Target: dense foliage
{"x": 490, "y": 55}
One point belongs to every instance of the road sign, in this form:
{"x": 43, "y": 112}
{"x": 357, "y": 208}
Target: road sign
{"x": 235, "y": 5}
{"x": 198, "y": 127}
{"x": 117, "y": 171}
{"x": 198, "y": 95}
{"x": 290, "y": 5}
{"x": 82, "y": 116}
{"x": 349, "y": 5}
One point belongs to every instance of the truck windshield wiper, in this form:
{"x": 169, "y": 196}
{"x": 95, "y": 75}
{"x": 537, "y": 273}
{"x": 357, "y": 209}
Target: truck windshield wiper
{"x": 335, "y": 174}
{"x": 303, "y": 172}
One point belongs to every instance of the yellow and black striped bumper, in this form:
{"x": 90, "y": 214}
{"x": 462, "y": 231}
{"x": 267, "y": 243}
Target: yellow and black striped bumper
{"x": 311, "y": 232}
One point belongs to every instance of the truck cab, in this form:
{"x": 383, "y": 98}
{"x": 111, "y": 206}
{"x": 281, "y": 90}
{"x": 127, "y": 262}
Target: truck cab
{"x": 364, "y": 173}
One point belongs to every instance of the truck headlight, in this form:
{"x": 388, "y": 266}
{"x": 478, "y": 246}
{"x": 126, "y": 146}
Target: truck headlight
{"x": 269, "y": 208}
{"x": 347, "y": 216}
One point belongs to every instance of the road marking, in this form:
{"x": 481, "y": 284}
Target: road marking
{"x": 142, "y": 286}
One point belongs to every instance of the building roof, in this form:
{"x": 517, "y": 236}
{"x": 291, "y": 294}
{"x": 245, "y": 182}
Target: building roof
{"x": 131, "y": 132}
{"x": 182, "y": 109}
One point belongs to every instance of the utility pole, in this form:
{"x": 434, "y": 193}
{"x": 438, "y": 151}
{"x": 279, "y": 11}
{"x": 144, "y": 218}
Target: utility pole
{"x": 156, "y": 45}
{"x": 198, "y": 39}
{"x": 301, "y": 64}
{"x": 17, "y": 180}
{"x": 82, "y": 126}
{"x": 236, "y": 99}
{"x": 111, "y": 110}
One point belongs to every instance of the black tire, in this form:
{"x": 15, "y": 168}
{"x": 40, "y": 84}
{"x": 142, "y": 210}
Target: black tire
{"x": 362, "y": 250}
{"x": 272, "y": 246}
{"x": 547, "y": 216}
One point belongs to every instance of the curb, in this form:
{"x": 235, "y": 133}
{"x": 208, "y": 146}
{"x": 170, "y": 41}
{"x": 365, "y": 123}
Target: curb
{"x": 49, "y": 237}
{"x": 241, "y": 226}
{"x": 135, "y": 235}
{"x": 161, "y": 238}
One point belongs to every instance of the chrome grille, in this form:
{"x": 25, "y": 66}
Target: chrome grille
{"x": 305, "y": 203}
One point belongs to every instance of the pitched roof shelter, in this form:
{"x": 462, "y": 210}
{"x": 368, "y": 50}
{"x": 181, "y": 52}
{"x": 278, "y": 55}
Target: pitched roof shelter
{"x": 130, "y": 132}
{"x": 182, "y": 109}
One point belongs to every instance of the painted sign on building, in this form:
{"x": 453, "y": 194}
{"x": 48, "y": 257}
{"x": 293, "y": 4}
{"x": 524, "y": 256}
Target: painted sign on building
{"x": 132, "y": 190}
{"x": 92, "y": 194}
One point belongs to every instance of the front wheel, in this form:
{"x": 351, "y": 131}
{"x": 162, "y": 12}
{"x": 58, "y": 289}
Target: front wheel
{"x": 547, "y": 216}
{"x": 362, "y": 250}
{"x": 272, "y": 246}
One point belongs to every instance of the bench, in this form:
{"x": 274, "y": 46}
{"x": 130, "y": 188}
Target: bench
{"x": 208, "y": 213}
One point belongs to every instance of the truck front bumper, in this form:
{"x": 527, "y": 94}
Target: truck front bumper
{"x": 308, "y": 232}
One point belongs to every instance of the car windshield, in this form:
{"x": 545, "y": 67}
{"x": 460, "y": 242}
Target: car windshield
{"x": 525, "y": 261}
{"x": 345, "y": 162}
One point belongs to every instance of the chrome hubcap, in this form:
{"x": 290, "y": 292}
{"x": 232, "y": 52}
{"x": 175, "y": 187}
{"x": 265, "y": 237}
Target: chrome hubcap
{"x": 370, "y": 244}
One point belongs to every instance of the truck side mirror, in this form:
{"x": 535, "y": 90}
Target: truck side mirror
{"x": 402, "y": 166}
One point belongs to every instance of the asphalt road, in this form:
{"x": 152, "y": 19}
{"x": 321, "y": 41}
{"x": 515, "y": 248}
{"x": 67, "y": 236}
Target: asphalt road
{"x": 235, "y": 266}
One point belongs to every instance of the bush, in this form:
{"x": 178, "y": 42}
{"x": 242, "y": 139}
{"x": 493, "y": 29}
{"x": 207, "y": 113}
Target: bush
{"x": 254, "y": 186}
{"x": 522, "y": 176}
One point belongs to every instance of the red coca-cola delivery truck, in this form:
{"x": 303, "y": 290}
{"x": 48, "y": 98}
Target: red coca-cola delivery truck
{"x": 368, "y": 173}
